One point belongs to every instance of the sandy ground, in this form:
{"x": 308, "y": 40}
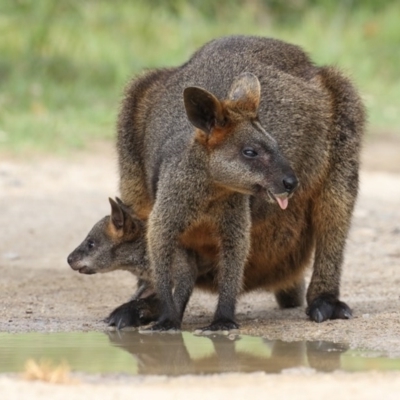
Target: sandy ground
{"x": 48, "y": 206}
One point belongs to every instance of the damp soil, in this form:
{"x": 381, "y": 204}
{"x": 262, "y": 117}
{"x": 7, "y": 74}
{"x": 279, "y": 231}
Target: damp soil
{"x": 49, "y": 204}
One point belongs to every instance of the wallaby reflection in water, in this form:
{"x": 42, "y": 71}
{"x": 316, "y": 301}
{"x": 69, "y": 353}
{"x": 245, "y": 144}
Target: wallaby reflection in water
{"x": 171, "y": 354}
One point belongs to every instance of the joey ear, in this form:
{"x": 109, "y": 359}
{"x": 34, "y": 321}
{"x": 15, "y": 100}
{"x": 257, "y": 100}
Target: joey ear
{"x": 203, "y": 109}
{"x": 122, "y": 219}
{"x": 245, "y": 91}
{"x": 119, "y": 201}
{"x": 117, "y": 215}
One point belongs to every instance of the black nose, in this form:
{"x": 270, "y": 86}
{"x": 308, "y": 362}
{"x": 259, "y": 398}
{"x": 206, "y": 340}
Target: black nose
{"x": 70, "y": 259}
{"x": 290, "y": 183}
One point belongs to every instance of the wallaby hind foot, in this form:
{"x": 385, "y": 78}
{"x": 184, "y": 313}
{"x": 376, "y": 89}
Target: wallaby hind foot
{"x": 327, "y": 307}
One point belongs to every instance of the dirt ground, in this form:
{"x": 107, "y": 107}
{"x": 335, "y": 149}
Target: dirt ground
{"x": 48, "y": 206}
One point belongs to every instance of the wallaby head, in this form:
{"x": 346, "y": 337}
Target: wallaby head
{"x": 243, "y": 157}
{"x": 117, "y": 241}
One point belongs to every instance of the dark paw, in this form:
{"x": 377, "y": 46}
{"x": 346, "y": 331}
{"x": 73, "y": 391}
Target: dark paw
{"x": 219, "y": 325}
{"x": 324, "y": 307}
{"x": 134, "y": 313}
{"x": 163, "y": 326}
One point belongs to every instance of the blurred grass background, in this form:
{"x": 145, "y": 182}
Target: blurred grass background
{"x": 64, "y": 63}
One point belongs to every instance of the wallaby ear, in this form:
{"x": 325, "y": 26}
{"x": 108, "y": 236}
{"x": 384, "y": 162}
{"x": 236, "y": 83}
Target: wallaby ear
{"x": 117, "y": 215}
{"x": 245, "y": 91}
{"x": 122, "y": 219}
{"x": 128, "y": 211}
{"x": 203, "y": 109}
{"x": 119, "y": 201}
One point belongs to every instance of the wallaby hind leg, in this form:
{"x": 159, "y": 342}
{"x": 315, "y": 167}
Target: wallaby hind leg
{"x": 334, "y": 208}
{"x": 331, "y": 223}
{"x": 291, "y": 297}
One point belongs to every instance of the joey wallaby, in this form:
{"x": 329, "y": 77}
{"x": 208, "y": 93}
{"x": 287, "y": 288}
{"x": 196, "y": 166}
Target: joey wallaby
{"x": 210, "y": 187}
{"x": 118, "y": 242}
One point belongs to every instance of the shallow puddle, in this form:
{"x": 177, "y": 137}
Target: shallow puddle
{"x": 181, "y": 353}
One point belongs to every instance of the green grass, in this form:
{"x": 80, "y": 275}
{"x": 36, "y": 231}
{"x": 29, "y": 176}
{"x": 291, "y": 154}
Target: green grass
{"x": 63, "y": 64}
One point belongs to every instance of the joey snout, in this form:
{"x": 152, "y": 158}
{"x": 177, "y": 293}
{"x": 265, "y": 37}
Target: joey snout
{"x": 79, "y": 263}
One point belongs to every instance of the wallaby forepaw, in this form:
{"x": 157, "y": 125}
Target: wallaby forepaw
{"x": 134, "y": 313}
{"x": 324, "y": 308}
{"x": 123, "y": 316}
{"x": 219, "y": 325}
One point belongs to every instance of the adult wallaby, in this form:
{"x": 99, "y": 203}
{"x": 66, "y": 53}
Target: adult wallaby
{"x": 193, "y": 184}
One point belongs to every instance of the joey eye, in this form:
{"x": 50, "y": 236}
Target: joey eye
{"x": 90, "y": 244}
{"x": 249, "y": 152}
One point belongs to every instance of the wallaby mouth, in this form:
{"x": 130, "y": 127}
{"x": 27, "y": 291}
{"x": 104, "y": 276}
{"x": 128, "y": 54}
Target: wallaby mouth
{"x": 278, "y": 189}
{"x": 85, "y": 270}
{"x": 282, "y": 199}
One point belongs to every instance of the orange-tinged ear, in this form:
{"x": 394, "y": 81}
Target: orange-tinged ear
{"x": 122, "y": 223}
{"x": 203, "y": 109}
{"x": 244, "y": 94}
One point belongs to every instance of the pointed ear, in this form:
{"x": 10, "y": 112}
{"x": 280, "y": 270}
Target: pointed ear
{"x": 245, "y": 92}
{"x": 117, "y": 215}
{"x": 203, "y": 109}
{"x": 119, "y": 201}
{"x": 123, "y": 220}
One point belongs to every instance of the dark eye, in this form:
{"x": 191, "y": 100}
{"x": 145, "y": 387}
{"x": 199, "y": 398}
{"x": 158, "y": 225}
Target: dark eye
{"x": 90, "y": 244}
{"x": 249, "y": 153}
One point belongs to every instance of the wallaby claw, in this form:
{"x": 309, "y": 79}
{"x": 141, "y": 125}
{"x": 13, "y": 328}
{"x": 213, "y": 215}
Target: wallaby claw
{"x": 324, "y": 308}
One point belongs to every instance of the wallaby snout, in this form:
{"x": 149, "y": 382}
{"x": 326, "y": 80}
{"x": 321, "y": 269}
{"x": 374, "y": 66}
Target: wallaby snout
{"x": 290, "y": 183}
{"x": 81, "y": 258}
{"x": 281, "y": 188}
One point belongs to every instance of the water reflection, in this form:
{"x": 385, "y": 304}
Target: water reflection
{"x": 182, "y": 353}
{"x": 178, "y": 354}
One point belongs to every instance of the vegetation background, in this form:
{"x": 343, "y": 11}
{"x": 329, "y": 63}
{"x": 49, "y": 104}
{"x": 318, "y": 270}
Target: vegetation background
{"x": 64, "y": 63}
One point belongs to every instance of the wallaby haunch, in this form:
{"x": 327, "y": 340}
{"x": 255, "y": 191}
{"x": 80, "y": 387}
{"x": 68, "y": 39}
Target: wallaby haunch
{"x": 207, "y": 190}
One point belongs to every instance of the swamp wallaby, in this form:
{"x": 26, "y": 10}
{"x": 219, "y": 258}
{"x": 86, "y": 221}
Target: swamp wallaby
{"x": 312, "y": 113}
{"x": 203, "y": 157}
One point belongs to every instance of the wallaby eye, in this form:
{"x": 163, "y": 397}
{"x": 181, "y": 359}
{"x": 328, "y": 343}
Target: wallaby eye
{"x": 90, "y": 244}
{"x": 249, "y": 152}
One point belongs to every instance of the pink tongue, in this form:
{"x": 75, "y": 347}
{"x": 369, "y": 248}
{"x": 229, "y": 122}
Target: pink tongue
{"x": 283, "y": 203}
